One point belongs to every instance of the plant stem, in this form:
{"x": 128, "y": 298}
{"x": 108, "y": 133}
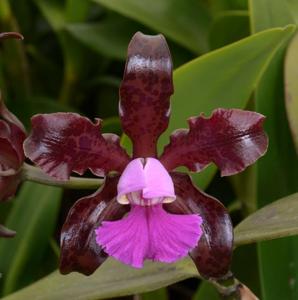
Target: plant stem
{"x": 230, "y": 288}
{"x": 35, "y": 174}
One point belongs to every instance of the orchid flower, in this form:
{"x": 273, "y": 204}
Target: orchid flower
{"x": 146, "y": 209}
{"x": 12, "y": 136}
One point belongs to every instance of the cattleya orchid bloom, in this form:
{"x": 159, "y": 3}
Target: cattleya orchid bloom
{"x": 12, "y": 136}
{"x": 145, "y": 209}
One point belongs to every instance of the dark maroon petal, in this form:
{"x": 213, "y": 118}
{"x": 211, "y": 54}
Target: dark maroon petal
{"x": 213, "y": 254}
{"x": 9, "y": 116}
{"x": 9, "y": 185}
{"x": 64, "y": 142}
{"x": 9, "y": 161}
{"x": 8, "y": 35}
{"x": 79, "y": 250}
{"x": 231, "y": 138}
{"x": 13, "y": 130}
{"x": 5, "y": 232}
{"x": 145, "y": 92}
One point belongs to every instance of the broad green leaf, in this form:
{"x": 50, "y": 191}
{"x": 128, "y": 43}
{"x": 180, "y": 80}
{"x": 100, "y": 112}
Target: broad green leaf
{"x": 185, "y": 22}
{"x": 277, "y": 171}
{"x": 276, "y": 220}
{"x": 291, "y": 87}
{"x": 293, "y": 8}
{"x": 206, "y": 291}
{"x": 244, "y": 185}
{"x": 228, "y": 27}
{"x": 110, "y": 280}
{"x": 58, "y": 16}
{"x": 269, "y": 13}
{"x": 109, "y": 37}
{"x": 53, "y": 12}
{"x": 33, "y": 216}
{"x": 39, "y": 104}
{"x": 276, "y": 177}
{"x": 13, "y": 58}
{"x": 160, "y": 294}
{"x": 76, "y": 10}
{"x": 245, "y": 267}
{"x": 218, "y": 6}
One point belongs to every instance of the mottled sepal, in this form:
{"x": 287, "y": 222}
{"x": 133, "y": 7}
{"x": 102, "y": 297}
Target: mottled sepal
{"x": 213, "y": 253}
{"x": 79, "y": 250}
{"x": 61, "y": 143}
{"x": 5, "y": 232}
{"x": 233, "y": 139}
{"x": 145, "y": 92}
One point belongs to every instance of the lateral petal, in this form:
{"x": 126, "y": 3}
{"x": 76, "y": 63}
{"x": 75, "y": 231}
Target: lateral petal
{"x": 231, "y": 138}
{"x": 79, "y": 250}
{"x": 64, "y": 142}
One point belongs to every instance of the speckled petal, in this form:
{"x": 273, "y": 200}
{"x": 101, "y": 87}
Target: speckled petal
{"x": 231, "y": 138}
{"x": 64, "y": 142}
{"x": 145, "y": 92}
{"x": 79, "y": 250}
{"x": 213, "y": 253}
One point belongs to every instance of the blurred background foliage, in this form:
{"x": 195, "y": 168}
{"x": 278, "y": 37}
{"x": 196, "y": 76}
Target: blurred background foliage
{"x": 72, "y": 59}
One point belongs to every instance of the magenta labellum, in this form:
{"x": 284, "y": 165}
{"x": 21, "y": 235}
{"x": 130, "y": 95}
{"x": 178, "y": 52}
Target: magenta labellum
{"x": 147, "y": 210}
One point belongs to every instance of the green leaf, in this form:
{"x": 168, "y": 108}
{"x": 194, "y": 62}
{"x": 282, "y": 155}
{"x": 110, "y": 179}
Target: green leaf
{"x": 160, "y": 294}
{"x": 293, "y": 8}
{"x": 269, "y": 13}
{"x": 206, "y": 291}
{"x": 185, "y": 22}
{"x": 39, "y": 104}
{"x": 217, "y": 6}
{"x": 276, "y": 220}
{"x": 291, "y": 87}
{"x": 53, "y": 12}
{"x": 112, "y": 279}
{"x": 277, "y": 171}
{"x": 109, "y": 37}
{"x": 244, "y": 185}
{"x": 33, "y": 216}
{"x": 74, "y": 60}
{"x": 229, "y": 27}
{"x": 76, "y": 10}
